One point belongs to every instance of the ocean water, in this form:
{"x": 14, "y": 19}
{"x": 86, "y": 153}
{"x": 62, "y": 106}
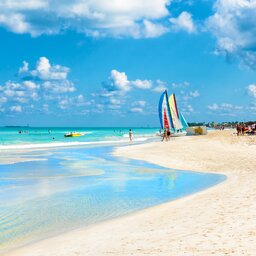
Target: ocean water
{"x": 64, "y": 189}
{"x": 24, "y": 136}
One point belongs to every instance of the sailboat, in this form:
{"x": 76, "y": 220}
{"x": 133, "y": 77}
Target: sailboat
{"x": 170, "y": 117}
{"x": 165, "y": 112}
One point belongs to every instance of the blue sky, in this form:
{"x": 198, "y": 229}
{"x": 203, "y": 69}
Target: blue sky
{"x": 105, "y": 63}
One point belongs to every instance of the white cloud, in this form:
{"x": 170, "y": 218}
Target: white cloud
{"x": 95, "y": 18}
{"x": 252, "y": 107}
{"x": 15, "y": 22}
{"x": 24, "y": 68}
{"x": 234, "y": 26}
{"x": 23, "y": 5}
{"x": 153, "y": 30}
{"x": 180, "y": 85}
{"x": 115, "y": 91}
{"x": 40, "y": 87}
{"x": 183, "y": 22}
{"x": 142, "y": 84}
{"x": 119, "y": 84}
{"x": 120, "y": 80}
{"x": 213, "y": 106}
{"x": 139, "y": 103}
{"x": 189, "y": 109}
{"x": 64, "y": 86}
{"x": 68, "y": 102}
{"x": 3, "y": 99}
{"x": 194, "y": 94}
{"x": 252, "y": 90}
{"x": 160, "y": 87}
{"x": 115, "y": 101}
{"x": 30, "y": 85}
{"x": 20, "y": 92}
{"x": 136, "y": 110}
{"x": 45, "y": 71}
{"x": 16, "y": 108}
{"x": 225, "y": 108}
{"x": 45, "y": 107}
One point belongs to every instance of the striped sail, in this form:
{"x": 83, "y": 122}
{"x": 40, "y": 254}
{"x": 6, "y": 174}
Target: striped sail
{"x": 174, "y": 113}
{"x": 164, "y": 112}
{"x": 183, "y": 121}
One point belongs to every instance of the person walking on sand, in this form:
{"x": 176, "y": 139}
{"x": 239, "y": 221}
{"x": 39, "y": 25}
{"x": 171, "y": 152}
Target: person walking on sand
{"x": 238, "y": 129}
{"x": 168, "y": 134}
{"x": 165, "y": 135}
{"x": 130, "y": 135}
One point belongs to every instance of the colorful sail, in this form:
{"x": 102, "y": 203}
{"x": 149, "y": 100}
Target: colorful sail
{"x": 183, "y": 121}
{"x": 173, "y": 104}
{"x": 164, "y": 112}
{"x": 174, "y": 113}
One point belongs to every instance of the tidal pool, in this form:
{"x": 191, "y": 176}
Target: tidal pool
{"x": 75, "y": 187}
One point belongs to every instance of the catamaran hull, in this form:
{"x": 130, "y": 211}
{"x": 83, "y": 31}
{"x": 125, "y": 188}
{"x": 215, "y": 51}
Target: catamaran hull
{"x": 178, "y": 134}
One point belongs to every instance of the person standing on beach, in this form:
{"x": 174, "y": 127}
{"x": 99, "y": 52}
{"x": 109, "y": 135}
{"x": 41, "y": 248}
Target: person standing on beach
{"x": 243, "y": 128}
{"x": 130, "y": 135}
{"x": 168, "y": 134}
{"x": 165, "y": 135}
{"x": 238, "y": 129}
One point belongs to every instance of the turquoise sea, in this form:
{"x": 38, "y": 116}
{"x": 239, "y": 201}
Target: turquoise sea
{"x": 54, "y": 135}
{"x": 64, "y": 188}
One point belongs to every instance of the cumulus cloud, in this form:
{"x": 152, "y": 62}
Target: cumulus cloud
{"x": 136, "y": 18}
{"x": 184, "y": 84}
{"x": 153, "y": 29}
{"x": 53, "y": 78}
{"x": 19, "y": 91}
{"x": 234, "y": 26}
{"x": 252, "y": 107}
{"x": 142, "y": 84}
{"x": 45, "y": 71}
{"x": 183, "y": 22}
{"x": 252, "y": 90}
{"x": 24, "y": 68}
{"x": 39, "y": 88}
{"x": 213, "y": 107}
{"x": 136, "y": 110}
{"x": 120, "y": 80}
{"x": 226, "y": 109}
{"x": 139, "y": 103}
{"x": 117, "y": 89}
{"x": 30, "y": 85}
{"x": 118, "y": 84}
{"x": 15, "y": 22}
{"x": 189, "y": 109}
{"x": 16, "y": 108}
{"x": 160, "y": 86}
{"x": 58, "y": 87}
{"x": 194, "y": 94}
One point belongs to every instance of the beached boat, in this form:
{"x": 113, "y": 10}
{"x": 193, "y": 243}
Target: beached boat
{"x": 170, "y": 117}
{"x": 73, "y": 134}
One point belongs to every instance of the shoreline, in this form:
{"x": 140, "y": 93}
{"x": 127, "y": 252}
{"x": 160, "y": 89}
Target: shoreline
{"x": 129, "y": 231}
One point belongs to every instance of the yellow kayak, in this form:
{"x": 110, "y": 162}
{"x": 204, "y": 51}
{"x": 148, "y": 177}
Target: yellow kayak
{"x": 73, "y": 134}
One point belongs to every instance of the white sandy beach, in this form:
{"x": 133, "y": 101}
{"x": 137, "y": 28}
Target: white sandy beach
{"x": 217, "y": 221}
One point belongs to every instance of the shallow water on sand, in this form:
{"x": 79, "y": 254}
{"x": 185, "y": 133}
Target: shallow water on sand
{"x": 75, "y": 187}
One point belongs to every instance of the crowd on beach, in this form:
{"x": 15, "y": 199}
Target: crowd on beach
{"x": 242, "y": 129}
